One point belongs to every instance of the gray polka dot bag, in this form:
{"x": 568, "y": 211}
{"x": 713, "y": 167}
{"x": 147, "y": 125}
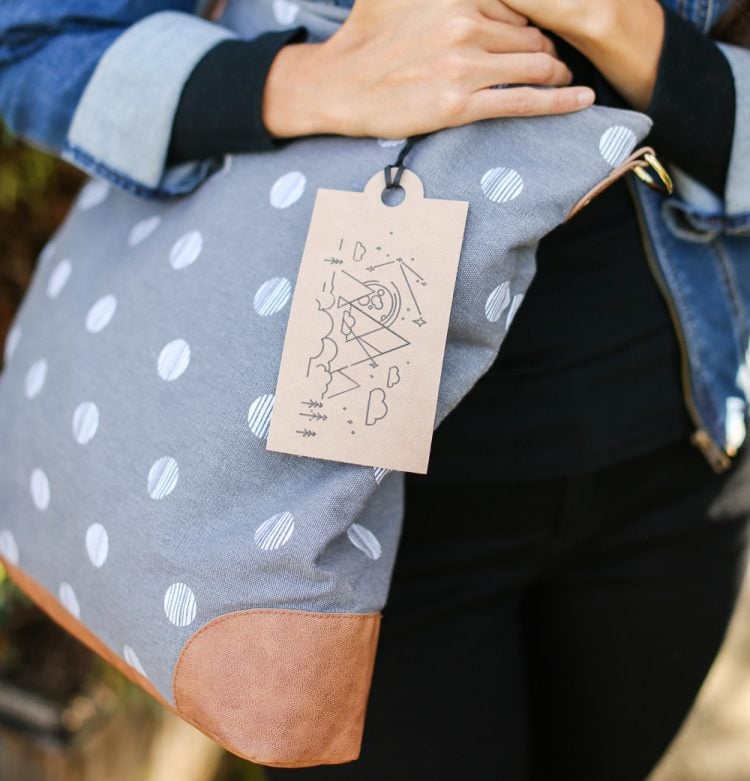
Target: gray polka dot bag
{"x": 139, "y": 507}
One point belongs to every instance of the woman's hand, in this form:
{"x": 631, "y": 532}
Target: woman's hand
{"x": 622, "y": 38}
{"x": 396, "y": 68}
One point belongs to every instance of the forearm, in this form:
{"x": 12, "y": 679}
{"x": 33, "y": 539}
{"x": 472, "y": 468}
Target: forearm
{"x": 37, "y": 100}
{"x": 292, "y": 103}
{"x": 220, "y": 109}
{"x": 686, "y": 87}
{"x": 48, "y": 51}
{"x": 622, "y": 39}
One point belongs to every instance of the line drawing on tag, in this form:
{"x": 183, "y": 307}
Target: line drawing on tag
{"x": 361, "y": 329}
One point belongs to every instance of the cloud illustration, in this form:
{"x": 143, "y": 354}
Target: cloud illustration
{"x": 377, "y": 409}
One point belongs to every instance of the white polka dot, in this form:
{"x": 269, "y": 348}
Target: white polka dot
{"x": 97, "y": 544}
{"x": 616, "y": 144}
{"x": 59, "y": 276}
{"x": 389, "y": 142}
{"x": 259, "y": 415}
{"x": 173, "y": 360}
{"x": 39, "y": 487}
{"x": 272, "y": 296}
{"x": 497, "y": 301}
{"x": 179, "y": 604}
{"x": 85, "y": 422}
{"x": 380, "y": 473}
{"x": 275, "y": 531}
{"x": 734, "y": 426}
{"x": 514, "y": 305}
{"x": 365, "y": 540}
{"x": 501, "y": 184}
{"x": 285, "y": 11}
{"x": 132, "y": 659}
{"x": 11, "y": 342}
{"x": 69, "y": 599}
{"x": 162, "y": 477}
{"x": 93, "y": 194}
{"x": 8, "y": 547}
{"x": 287, "y": 189}
{"x": 100, "y": 314}
{"x": 143, "y": 229}
{"x": 35, "y": 378}
{"x": 185, "y": 250}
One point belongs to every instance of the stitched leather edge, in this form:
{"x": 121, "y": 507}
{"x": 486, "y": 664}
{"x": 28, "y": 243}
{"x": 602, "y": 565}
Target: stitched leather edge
{"x": 306, "y": 705}
{"x": 634, "y": 160}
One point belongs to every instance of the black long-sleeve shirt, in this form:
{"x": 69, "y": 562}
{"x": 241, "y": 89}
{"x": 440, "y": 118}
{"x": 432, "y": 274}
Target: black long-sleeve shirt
{"x": 589, "y": 372}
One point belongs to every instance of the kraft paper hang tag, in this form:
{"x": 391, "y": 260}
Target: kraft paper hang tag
{"x": 363, "y": 352}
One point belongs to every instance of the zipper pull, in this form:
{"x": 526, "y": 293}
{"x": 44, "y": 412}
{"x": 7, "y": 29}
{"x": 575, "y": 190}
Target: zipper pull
{"x": 717, "y": 458}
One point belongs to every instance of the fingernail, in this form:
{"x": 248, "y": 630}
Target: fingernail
{"x": 585, "y": 97}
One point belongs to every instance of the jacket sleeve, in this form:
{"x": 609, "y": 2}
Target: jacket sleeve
{"x": 737, "y": 194}
{"x": 694, "y": 211}
{"x": 99, "y": 81}
{"x": 221, "y": 106}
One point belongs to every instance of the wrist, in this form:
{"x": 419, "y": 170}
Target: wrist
{"x": 590, "y": 24}
{"x": 292, "y": 103}
{"x": 580, "y": 22}
{"x": 624, "y": 41}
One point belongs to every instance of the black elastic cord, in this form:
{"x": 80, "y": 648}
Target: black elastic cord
{"x": 399, "y": 164}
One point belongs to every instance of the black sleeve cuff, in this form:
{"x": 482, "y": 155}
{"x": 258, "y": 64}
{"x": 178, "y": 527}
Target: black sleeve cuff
{"x": 693, "y": 104}
{"x": 220, "y": 107}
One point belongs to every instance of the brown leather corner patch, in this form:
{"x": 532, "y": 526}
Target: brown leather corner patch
{"x": 285, "y": 688}
{"x": 55, "y": 610}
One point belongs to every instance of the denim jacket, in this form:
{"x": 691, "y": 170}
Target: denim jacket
{"x": 64, "y": 64}
{"x": 698, "y": 249}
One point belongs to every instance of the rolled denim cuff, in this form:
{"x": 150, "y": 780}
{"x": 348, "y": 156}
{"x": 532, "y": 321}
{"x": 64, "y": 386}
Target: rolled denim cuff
{"x": 685, "y": 221}
{"x": 122, "y": 124}
{"x": 737, "y": 196}
{"x": 694, "y": 212}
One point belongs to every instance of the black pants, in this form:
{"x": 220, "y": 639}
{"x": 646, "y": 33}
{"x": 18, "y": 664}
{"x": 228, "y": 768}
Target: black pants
{"x": 556, "y": 629}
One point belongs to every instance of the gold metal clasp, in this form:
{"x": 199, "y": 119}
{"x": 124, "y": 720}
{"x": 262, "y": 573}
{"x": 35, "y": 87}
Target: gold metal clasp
{"x": 637, "y": 162}
{"x": 650, "y": 159}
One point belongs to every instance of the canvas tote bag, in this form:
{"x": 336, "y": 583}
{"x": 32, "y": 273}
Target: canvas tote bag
{"x": 243, "y": 587}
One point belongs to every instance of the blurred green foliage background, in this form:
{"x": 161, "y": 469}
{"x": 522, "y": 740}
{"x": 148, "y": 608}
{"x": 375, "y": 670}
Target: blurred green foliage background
{"x": 35, "y": 192}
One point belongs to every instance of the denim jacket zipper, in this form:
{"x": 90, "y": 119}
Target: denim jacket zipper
{"x": 713, "y": 451}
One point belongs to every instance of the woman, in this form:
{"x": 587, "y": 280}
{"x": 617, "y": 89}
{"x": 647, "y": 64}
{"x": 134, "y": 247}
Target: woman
{"x": 563, "y": 629}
